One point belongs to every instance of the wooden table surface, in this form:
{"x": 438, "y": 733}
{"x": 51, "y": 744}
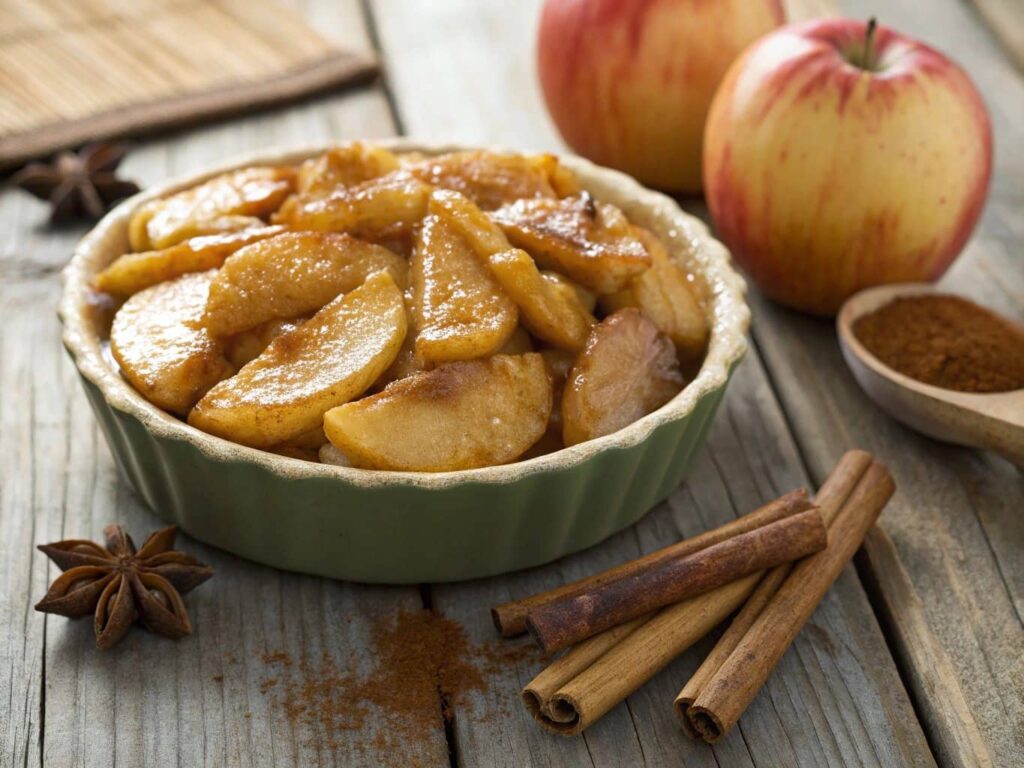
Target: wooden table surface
{"x": 915, "y": 658}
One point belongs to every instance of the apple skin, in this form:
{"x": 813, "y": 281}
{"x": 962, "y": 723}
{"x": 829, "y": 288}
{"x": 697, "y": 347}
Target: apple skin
{"x": 628, "y": 83}
{"x": 824, "y": 178}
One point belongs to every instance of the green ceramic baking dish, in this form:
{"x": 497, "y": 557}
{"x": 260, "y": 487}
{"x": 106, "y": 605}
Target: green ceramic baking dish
{"x": 396, "y": 527}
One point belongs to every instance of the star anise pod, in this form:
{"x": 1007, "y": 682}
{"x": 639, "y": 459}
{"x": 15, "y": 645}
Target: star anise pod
{"x": 78, "y": 185}
{"x": 120, "y": 585}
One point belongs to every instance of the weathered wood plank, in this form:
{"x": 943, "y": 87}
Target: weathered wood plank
{"x": 209, "y": 699}
{"x": 956, "y": 521}
{"x": 949, "y": 501}
{"x": 478, "y": 85}
{"x": 186, "y": 710}
{"x": 959, "y": 740}
{"x": 1005, "y": 19}
{"x": 24, "y": 517}
{"x": 798, "y": 10}
{"x": 837, "y": 698}
{"x": 203, "y": 700}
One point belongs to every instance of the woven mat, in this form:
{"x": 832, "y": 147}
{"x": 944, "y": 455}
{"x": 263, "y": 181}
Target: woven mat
{"x": 73, "y": 71}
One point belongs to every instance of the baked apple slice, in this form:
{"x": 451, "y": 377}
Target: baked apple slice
{"x": 135, "y": 271}
{"x": 627, "y": 369}
{"x": 665, "y": 294}
{"x": 376, "y": 208}
{"x": 250, "y": 192}
{"x": 518, "y": 343}
{"x": 559, "y": 363}
{"x": 459, "y": 310}
{"x": 161, "y": 346}
{"x": 246, "y": 346}
{"x": 406, "y": 362}
{"x": 591, "y": 242}
{"x": 472, "y": 223}
{"x": 571, "y": 290}
{"x": 292, "y": 274}
{"x": 222, "y": 225}
{"x": 547, "y": 311}
{"x": 344, "y": 166}
{"x": 462, "y": 415}
{"x": 328, "y": 360}
{"x": 491, "y": 180}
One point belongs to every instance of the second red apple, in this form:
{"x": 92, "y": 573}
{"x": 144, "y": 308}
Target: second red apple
{"x": 629, "y": 82}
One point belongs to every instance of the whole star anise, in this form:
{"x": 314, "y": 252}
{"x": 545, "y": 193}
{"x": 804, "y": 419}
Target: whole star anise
{"x": 82, "y": 185}
{"x": 120, "y": 585}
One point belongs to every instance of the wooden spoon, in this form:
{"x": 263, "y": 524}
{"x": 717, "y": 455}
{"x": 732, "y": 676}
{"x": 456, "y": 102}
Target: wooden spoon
{"x": 993, "y": 421}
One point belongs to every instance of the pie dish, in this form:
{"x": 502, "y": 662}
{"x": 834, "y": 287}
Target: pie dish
{"x": 400, "y": 527}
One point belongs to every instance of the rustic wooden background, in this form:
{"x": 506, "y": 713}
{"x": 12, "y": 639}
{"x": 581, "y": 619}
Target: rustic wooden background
{"x": 916, "y": 657}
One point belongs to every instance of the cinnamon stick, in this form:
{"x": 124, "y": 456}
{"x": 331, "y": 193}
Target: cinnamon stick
{"x": 726, "y": 644}
{"x": 538, "y": 694}
{"x": 830, "y": 498}
{"x": 571, "y": 619}
{"x": 510, "y": 618}
{"x": 631, "y": 662}
{"x": 579, "y": 687}
{"x": 730, "y": 690}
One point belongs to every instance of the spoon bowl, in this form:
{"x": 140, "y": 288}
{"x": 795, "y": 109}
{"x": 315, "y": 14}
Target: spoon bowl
{"x": 993, "y": 421}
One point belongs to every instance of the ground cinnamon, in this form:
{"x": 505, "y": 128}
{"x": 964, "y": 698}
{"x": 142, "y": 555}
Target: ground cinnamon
{"x": 423, "y": 667}
{"x": 946, "y": 341}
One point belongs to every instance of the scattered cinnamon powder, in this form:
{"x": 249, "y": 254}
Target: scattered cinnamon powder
{"x": 277, "y": 657}
{"x": 424, "y": 668}
{"x": 946, "y": 341}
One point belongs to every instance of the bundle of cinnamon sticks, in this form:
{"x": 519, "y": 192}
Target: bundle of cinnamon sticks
{"x": 622, "y": 626}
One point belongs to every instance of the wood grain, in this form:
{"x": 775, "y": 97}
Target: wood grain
{"x": 836, "y": 698}
{"x": 151, "y": 702}
{"x": 799, "y": 10}
{"x": 1005, "y": 19}
{"x": 955, "y": 521}
{"x": 750, "y": 458}
{"x": 452, "y": 90}
{"x": 960, "y": 741}
{"x": 210, "y": 699}
{"x": 480, "y": 86}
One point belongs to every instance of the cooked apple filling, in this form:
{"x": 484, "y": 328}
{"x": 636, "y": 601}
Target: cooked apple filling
{"x": 402, "y": 312}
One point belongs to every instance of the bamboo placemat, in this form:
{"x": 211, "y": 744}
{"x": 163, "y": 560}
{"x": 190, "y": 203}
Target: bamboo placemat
{"x": 73, "y": 71}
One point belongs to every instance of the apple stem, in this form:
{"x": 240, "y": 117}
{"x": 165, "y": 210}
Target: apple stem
{"x": 869, "y": 38}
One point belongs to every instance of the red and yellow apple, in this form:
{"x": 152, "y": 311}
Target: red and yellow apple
{"x": 629, "y": 82}
{"x": 838, "y": 158}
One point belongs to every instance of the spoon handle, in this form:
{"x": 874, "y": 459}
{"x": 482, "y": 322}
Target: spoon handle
{"x": 1001, "y": 428}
